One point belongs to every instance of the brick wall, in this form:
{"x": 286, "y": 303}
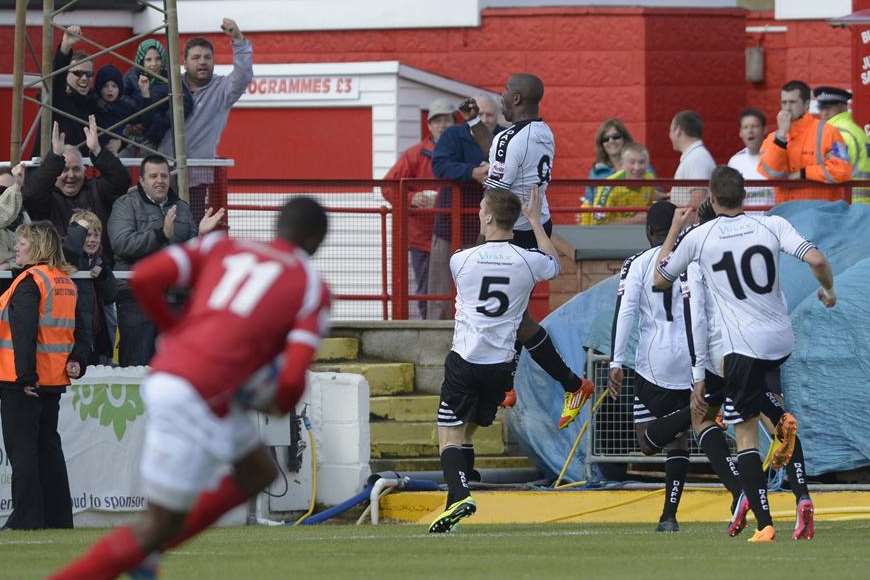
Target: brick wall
{"x": 575, "y": 277}
{"x": 596, "y": 62}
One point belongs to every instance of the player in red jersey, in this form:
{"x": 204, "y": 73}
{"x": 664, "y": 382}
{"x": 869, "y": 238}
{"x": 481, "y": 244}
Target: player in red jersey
{"x": 250, "y": 302}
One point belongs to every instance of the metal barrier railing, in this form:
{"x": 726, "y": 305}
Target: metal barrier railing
{"x": 366, "y": 257}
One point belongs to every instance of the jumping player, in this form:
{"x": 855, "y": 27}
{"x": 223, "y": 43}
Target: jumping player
{"x": 521, "y": 158}
{"x": 493, "y": 283}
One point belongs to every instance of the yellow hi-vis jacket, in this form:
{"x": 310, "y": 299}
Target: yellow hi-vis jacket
{"x": 859, "y": 151}
{"x": 54, "y": 336}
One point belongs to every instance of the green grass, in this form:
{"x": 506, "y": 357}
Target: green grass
{"x": 699, "y": 552}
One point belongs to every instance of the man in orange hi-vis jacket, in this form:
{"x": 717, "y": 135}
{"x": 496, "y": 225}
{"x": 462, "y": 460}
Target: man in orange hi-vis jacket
{"x": 803, "y": 147}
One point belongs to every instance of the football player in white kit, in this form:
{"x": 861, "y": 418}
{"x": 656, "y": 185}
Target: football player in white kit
{"x": 520, "y": 159}
{"x": 493, "y": 283}
{"x": 706, "y": 347}
{"x": 738, "y": 258}
{"x": 663, "y": 380}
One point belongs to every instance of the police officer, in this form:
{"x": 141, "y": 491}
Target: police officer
{"x": 834, "y": 109}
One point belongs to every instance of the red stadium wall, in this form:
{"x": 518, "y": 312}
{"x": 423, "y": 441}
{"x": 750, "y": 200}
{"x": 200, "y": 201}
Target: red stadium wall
{"x": 641, "y": 64}
{"x": 595, "y": 63}
{"x": 328, "y": 143}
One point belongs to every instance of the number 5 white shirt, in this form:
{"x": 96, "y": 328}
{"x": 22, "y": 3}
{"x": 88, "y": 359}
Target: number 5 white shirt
{"x": 493, "y": 283}
{"x": 522, "y": 156}
{"x": 739, "y": 260}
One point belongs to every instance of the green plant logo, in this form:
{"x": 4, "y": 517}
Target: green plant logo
{"x": 115, "y": 405}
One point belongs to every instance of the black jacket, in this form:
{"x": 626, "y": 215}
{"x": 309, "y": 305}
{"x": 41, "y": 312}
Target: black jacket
{"x": 71, "y": 102}
{"x": 93, "y": 295}
{"x": 44, "y": 201}
{"x": 24, "y": 321}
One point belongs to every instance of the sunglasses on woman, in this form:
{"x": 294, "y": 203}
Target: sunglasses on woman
{"x": 81, "y": 73}
{"x": 613, "y": 137}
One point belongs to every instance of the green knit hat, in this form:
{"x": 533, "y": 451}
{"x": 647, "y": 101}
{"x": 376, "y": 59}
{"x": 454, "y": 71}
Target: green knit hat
{"x": 143, "y": 49}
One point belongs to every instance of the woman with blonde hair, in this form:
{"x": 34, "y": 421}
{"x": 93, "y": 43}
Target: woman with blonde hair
{"x": 97, "y": 293}
{"x": 37, "y": 360}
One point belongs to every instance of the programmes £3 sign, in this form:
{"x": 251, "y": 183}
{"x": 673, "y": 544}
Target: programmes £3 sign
{"x": 302, "y": 88}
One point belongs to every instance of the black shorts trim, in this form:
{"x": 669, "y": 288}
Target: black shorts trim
{"x": 652, "y": 401}
{"x": 471, "y": 393}
{"x": 526, "y": 238}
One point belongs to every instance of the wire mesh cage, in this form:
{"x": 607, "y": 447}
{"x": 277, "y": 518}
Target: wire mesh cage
{"x": 612, "y": 438}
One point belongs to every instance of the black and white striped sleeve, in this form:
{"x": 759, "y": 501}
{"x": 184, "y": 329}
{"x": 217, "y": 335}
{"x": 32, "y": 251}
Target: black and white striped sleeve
{"x": 695, "y": 316}
{"x": 791, "y": 242}
{"x": 627, "y": 298}
{"x": 678, "y": 261}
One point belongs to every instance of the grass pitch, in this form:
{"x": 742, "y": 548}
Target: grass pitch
{"x": 700, "y": 551}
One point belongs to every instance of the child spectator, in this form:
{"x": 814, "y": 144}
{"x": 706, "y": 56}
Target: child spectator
{"x": 150, "y": 129}
{"x": 114, "y": 105}
{"x": 83, "y": 250}
{"x": 634, "y": 165}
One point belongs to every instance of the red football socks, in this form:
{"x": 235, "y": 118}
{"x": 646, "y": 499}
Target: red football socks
{"x": 209, "y": 506}
{"x": 111, "y": 556}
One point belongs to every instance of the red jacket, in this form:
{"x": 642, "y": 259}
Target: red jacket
{"x": 415, "y": 162}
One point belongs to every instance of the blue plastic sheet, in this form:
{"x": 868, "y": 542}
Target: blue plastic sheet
{"x": 826, "y": 381}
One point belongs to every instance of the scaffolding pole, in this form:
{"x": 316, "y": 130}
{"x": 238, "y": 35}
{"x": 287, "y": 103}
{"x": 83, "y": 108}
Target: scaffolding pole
{"x": 18, "y": 81}
{"x": 45, "y": 123}
{"x": 169, "y": 12}
{"x": 177, "y": 92}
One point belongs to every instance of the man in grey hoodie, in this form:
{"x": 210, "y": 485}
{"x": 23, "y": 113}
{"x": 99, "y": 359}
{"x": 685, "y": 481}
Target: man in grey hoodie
{"x": 213, "y": 97}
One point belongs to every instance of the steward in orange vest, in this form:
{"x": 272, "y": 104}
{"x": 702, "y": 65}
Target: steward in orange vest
{"x": 804, "y": 147}
{"x": 53, "y": 331}
{"x": 37, "y": 325}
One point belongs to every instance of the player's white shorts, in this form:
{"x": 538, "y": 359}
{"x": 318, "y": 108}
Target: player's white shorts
{"x": 188, "y": 447}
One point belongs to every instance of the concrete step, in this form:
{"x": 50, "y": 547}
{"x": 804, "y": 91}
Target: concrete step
{"x": 422, "y": 342}
{"x": 404, "y": 408}
{"x": 340, "y": 348}
{"x": 383, "y": 378}
{"x": 420, "y": 439}
{"x": 405, "y": 465}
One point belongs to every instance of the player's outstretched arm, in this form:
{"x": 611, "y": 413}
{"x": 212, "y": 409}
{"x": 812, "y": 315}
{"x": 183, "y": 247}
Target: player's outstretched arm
{"x": 532, "y": 211}
{"x": 682, "y": 217}
{"x": 821, "y": 269}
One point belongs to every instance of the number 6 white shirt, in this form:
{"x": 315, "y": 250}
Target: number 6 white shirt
{"x": 520, "y": 157}
{"x": 493, "y": 283}
{"x": 739, "y": 260}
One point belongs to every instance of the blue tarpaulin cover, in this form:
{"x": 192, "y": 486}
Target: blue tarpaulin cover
{"x": 826, "y": 381}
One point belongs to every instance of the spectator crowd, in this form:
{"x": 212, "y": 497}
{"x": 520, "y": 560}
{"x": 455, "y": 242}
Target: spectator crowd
{"x": 61, "y": 219}
{"x": 825, "y": 148}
